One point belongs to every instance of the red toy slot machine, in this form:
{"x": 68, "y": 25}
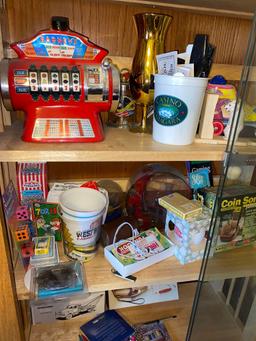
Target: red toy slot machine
{"x": 62, "y": 82}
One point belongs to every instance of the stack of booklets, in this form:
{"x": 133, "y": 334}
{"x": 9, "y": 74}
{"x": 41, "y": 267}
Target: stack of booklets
{"x": 108, "y": 326}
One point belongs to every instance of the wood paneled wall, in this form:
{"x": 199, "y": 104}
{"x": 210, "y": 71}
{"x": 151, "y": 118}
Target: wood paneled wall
{"x": 110, "y": 25}
{"x": 69, "y": 171}
{"x": 98, "y": 170}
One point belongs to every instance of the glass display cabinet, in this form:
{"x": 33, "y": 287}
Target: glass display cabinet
{"x": 217, "y": 297}
{"x": 225, "y": 302}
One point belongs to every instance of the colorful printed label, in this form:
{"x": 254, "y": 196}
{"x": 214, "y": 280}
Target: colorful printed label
{"x": 21, "y": 81}
{"x": 169, "y": 110}
{"x": 55, "y": 45}
{"x": 20, "y": 72}
{"x": 145, "y": 245}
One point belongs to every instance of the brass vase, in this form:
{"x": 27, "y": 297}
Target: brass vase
{"x": 151, "y": 30}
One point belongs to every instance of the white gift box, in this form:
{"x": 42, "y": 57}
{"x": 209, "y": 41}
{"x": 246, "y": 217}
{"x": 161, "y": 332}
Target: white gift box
{"x": 127, "y": 270}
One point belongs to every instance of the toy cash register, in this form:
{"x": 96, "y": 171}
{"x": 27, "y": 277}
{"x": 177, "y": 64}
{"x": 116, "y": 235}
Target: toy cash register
{"x": 62, "y": 83}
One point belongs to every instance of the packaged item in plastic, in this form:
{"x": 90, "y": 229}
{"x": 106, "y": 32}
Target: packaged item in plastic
{"x": 199, "y": 179}
{"x": 154, "y": 331}
{"x": 45, "y": 252}
{"x": 193, "y": 166}
{"x": 61, "y": 279}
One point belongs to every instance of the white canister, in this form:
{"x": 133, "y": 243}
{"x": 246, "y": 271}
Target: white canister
{"x": 177, "y": 107}
{"x": 83, "y": 212}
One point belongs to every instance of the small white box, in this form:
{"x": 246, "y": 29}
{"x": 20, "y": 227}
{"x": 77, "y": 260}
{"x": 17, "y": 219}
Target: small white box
{"x": 122, "y": 298}
{"x": 127, "y": 270}
{"x": 66, "y": 308}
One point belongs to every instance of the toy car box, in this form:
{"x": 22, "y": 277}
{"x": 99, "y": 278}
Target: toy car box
{"x": 236, "y": 216}
{"x": 66, "y": 308}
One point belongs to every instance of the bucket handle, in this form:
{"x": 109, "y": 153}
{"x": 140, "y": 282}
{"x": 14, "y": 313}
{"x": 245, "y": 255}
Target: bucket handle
{"x": 58, "y": 211}
{"x": 105, "y": 193}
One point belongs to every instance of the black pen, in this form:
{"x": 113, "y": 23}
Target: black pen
{"x": 128, "y": 278}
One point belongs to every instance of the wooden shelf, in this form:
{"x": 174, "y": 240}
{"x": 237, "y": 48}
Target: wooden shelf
{"x": 232, "y": 264}
{"x": 212, "y": 312}
{"x": 119, "y": 145}
{"x": 175, "y": 313}
{"x": 98, "y": 276}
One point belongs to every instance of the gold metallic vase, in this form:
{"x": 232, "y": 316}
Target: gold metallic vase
{"x": 151, "y": 29}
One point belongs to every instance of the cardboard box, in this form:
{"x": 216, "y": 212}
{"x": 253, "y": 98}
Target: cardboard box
{"x": 122, "y": 298}
{"x": 236, "y": 224}
{"x": 66, "y": 308}
{"x": 180, "y": 205}
{"x": 32, "y": 182}
{"x": 188, "y": 235}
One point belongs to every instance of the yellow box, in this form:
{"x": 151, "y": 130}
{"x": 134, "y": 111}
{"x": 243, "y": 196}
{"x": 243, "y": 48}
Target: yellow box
{"x": 180, "y": 205}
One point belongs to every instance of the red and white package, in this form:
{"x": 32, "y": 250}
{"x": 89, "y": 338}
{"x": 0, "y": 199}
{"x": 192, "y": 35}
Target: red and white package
{"x": 32, "y": 182}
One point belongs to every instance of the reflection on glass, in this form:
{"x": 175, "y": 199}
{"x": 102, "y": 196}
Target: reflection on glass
{"x": 225, "y": 301}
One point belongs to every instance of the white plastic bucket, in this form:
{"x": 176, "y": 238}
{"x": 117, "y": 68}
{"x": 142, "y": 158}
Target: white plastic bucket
{"x": 177, "y": 106}
{"x": 83, "y": 211}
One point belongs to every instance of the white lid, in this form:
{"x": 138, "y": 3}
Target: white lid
{"x": 83, "y": 199}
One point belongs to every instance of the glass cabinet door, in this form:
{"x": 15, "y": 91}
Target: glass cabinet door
{"x": 225, "y": 302}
